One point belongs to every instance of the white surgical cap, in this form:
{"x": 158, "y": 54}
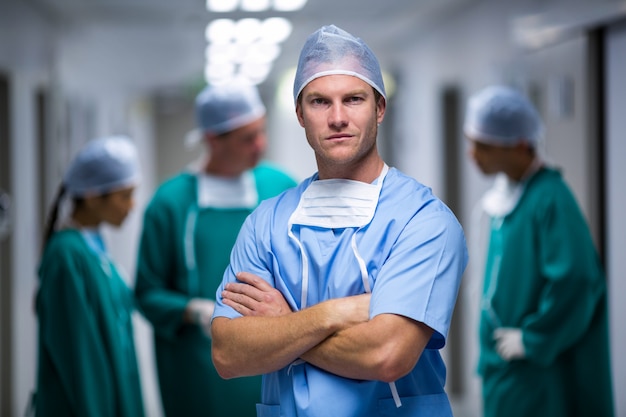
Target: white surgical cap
{"x": 331, "y": 50}
{"x": 226, "y": 107}
{"x": 102, "y": 166}
{"x": 500, "y": 115}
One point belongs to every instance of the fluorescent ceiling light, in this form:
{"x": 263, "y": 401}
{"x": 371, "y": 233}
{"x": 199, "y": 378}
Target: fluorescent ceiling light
{"x": 288, "y": 5}
{"x": 276, "y": 29}
{"x": 220, "y": 31}
{"x": 222, "y": 70}
{"x": 222, "y": 5}
{"x": 256, "y": 73}
{"x": 225, "y": 6}
{"x": 255, "y": 5}
{"x": 263, "y": 52}
{"x": 219, "y": 53}
{"x": 253, "y": 73}
{"x": 243, "y": 49}
{"x": 248, "y": 30}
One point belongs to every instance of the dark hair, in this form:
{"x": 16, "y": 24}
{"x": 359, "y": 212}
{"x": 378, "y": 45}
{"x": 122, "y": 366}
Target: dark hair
{"x": 53, "y": 216}
{"x": 377, "y": 95}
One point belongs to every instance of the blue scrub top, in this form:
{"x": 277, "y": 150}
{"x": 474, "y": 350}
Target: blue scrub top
{"x": 415, "y": 254}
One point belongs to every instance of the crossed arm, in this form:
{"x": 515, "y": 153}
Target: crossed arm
{"x": 336, "y": 335}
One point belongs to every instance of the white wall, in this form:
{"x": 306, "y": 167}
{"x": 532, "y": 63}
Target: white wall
{"x": 25, "y": 237}
{"x": 25, "y": 56}
{"x": 615, "y": 173}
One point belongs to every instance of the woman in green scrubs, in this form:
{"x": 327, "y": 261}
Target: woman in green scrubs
{"x": 87, "y": 363}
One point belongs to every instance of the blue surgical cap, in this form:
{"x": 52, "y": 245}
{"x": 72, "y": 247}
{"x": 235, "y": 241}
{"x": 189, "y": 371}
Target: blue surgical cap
{"x": 102, "y": 166}
{"x": 226, "y": 107}
{"x": 331, "y": 50}
{"x": 500, "y": 115}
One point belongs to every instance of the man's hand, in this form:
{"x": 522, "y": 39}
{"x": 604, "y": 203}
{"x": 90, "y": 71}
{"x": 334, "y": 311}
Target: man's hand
{"x": 253, "y": 296}
{"x": 200, "y": 311}
{"x": 509, "y": 343}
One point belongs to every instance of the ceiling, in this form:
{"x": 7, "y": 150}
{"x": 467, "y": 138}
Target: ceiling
{"x": 168, "y": 35}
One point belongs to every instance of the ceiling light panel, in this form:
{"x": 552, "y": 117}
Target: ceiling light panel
{"x": 255, "y": 5}
{"x": 222, "y": 6}
{"x": 248, "y": 47}
{"x": 245, "y": 48}
{"x": 226, "y": 6}
{"x": 288, "y": 5}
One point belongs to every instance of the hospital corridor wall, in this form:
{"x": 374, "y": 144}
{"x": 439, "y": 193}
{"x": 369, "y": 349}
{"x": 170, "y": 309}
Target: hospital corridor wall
{"x": 435, "y": 72}
{"x": 615, "y": 172}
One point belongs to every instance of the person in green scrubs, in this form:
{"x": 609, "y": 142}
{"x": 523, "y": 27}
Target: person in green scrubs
{"x": 189, "y": 228}
{"x": 543, "y": 326}
{"x": 87, "y": 361}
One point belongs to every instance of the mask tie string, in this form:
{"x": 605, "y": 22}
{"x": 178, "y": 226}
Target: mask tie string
{"x": 190, "y": 250}
{"x": 366, "y": 284}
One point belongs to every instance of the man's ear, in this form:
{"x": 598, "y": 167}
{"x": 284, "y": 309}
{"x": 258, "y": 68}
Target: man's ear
{"x": 381, "y": 106}
{"x": 299, "y": 114}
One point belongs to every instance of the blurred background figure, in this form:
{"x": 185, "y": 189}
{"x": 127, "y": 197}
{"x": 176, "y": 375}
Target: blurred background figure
{"x": 87, "y": 363}
{"x": 189, "y": 229}
{"x": 543, "y": 326}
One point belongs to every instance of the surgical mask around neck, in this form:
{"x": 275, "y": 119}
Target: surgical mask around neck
{"x": 332, "y": 204}
{"x": 338, "y": 203}
{"x": 227, "y": 193}
{"x": 505, "y": 193}
{"x": 502, "y": 197}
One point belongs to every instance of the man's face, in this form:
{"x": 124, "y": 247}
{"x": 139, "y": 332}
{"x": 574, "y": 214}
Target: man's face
{"x": 490, "y": 159}
{"x": 340, "y": 116}
{"x": 242, "y": 148}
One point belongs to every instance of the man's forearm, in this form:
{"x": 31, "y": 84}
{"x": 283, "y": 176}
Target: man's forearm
{"x": 256, "y": 345}
{"x": 385, "y": 348}
{"x": 340, "y": 355}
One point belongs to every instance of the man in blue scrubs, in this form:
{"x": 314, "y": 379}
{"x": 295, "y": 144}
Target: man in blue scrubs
{"x": 341, "y": 290}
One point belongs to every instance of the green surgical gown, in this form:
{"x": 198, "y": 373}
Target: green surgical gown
{"x": 188, "y": 381}
{"x": 86, "y": 361}
{"x": 543, "y": 275}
